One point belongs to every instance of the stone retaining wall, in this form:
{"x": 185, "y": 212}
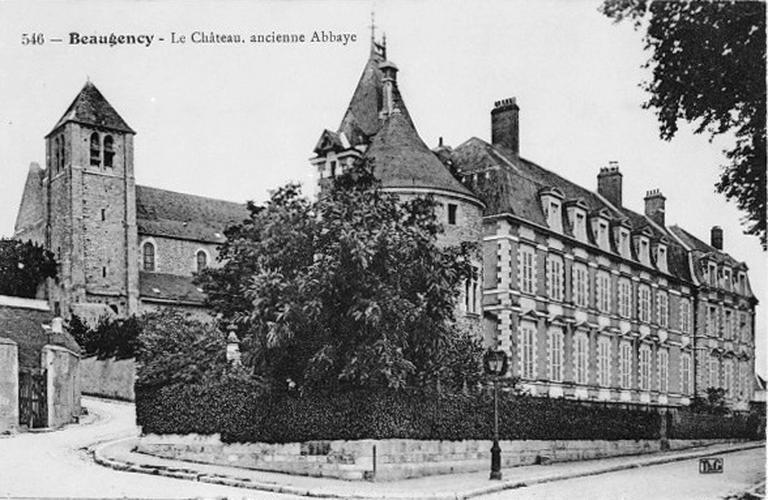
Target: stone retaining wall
{"x": 390, "y": 459}
{"x": 109, "y": 378}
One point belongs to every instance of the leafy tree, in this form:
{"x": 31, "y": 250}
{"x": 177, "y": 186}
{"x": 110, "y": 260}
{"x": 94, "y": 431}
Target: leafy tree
{"x": 708, "y": 67}
{"x": 714, "y": 402}
{"x": 176, "y": 349}
{"x": 112, "y": 337}
{"x": 351, "y": 291}
{"x": 23, "y": 267}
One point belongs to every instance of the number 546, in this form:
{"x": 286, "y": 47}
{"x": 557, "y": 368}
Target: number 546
{"x": 32, "y": 39}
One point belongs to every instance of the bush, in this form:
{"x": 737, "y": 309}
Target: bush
{"x": 116, "y": 338}
{"x": 241, "y": 415}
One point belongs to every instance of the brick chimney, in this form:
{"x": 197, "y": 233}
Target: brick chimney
{"x": 505, "y": 125}
{"x": 716, "y": 239}
{"x": 609, "y": 183}
{"x": 654, "y": 206}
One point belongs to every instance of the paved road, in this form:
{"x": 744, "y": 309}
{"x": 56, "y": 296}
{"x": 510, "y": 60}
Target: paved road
{"x": 676, "y": 480}
{"x": 54, "y": 464}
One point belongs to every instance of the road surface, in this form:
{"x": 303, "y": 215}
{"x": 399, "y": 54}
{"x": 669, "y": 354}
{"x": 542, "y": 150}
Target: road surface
{"x": 55, "y": 464}
{"x": 675, "y": 480}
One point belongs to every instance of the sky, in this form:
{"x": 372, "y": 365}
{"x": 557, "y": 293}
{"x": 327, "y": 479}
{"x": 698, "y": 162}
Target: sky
{"x": 234, "y": 121}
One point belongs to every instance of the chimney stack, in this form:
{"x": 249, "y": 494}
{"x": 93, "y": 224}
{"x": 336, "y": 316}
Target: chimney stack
{"x": 389, "y": 79}
{"x": 609, "y": 183}
{"x": 654, "y": 206}
{"x": 717, "y": 237}
{"x": 505, "y": 125}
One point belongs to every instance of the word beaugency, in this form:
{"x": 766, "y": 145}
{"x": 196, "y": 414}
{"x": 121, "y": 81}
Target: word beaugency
{"x": 111, "y": 39}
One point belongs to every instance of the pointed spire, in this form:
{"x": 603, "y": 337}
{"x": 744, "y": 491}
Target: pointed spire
{"x": 90, "y": 107}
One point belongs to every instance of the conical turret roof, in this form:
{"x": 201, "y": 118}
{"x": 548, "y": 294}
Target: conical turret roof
{"x": 91, "y": 108}
{"x": 402, "y": 160}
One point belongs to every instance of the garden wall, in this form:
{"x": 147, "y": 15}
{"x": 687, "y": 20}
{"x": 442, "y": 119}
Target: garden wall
{"x": 390, "y": 459}
{"x": 109, "y": 378}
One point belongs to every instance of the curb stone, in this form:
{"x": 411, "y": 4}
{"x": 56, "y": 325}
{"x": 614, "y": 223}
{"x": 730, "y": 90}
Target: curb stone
{"x": 222, "y": 480}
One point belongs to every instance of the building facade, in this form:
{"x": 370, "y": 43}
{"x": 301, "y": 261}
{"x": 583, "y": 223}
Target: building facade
{"x": 590, "y": 299}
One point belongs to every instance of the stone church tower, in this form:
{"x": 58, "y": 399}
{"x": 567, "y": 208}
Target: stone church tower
{"x": 90, "y": 215}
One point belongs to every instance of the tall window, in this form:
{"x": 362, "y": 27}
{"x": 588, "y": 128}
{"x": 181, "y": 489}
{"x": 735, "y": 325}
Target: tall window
{"x": 555, "y": 277}
{"x": 685, "y": 373}
{"x": 580, "y": 357}
{"x": 662, "y": 359}
{"x": 743, "y": 388}
{"x": 625, "y": 297}
{"x": 645, "y": 367}
{"x": 662, "y": 309}
{"x": 604, "y": 361}
{"x": 528, "y": 350}
{"x": 452, "y": 213}
{"x": 109, "y": 151}
{"x": 148, "y": 257}
{"x": 728, "y": 377}
{"x": 685, "y": 315}
{"x": 625, "y": 364}
{"x": 95, "y": 150}
{"x": 527, "y": 274}
{"x": 728, "y": 320}
{"x": 202, "y": 260}
{"x": 714, "y": 372}
{"x": 470, "y": 294}
{"x": 556, "y": 354}
{"x": 743, "y": 330}
{"x": 644, "y": 303}
{"x": 603, "y": 291}
{"x": 580, "y": 284}
{"x": 713, "y": 274}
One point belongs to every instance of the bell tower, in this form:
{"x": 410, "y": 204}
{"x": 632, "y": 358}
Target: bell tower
{"x": 90, "y": 220}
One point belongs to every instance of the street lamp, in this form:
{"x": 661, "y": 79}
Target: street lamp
{"x": 495, "y": 364}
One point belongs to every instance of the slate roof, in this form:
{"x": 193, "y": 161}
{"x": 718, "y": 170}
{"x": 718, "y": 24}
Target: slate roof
{"x": 361, "y": 120}
{"x": 401, "y": 159}
{"x": 172, "y": 287}
{"x": 513, "y": 185}
{"x": 698, "y": 245}
{"x": 24, "y": 326}
{"x": 185, "y": 216}
{"x": 91, "y": 108}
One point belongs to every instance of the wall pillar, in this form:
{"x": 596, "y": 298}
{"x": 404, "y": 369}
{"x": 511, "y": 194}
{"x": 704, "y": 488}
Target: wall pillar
{"x": 9, "y": 386}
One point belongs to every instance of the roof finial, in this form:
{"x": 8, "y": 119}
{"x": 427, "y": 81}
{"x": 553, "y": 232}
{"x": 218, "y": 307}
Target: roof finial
{"x": 373, "y": 28}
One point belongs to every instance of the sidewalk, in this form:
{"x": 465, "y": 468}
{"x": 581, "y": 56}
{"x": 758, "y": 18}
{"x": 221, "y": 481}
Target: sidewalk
{"x": 118, "y": 455}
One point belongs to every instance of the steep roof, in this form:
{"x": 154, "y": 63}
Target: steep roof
{"x": 31, "y": 211}
{"x": 25, "y": 327}
{"x": 513, "y": 185}
{"x": 179, "y": 215}
{"x": 172, "y": 287}
{"x": 401, "y": 159}
{"x": 91, "y": 108}
{"x": 361, "y": 120}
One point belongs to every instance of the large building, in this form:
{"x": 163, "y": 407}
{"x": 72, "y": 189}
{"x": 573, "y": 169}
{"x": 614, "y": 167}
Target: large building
{"x": 590, "y": 299}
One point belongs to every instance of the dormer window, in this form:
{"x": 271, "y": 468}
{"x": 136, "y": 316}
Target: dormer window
{"x": 551, "y": 203}
{"x": 333, "y": 168}
{"x": 576, "y": 211}
{"x": 727, "y": 278}
{"x": 95, "y": 150}
{"x": 712, "y": 267}
{"x": 660, "y": 255}
{"x": 641, "y": 241}
{"x": 742, "y": 283}
{"x": 599, "y": 225}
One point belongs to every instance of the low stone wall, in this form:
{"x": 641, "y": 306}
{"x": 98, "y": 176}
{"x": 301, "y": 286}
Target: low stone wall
{"x": 108, "y": 378}
{"x": 389, "y": 459}
{"x": 9, "y": 386}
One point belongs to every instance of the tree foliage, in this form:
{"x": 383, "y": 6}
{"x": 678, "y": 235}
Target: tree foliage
{"x": 708, "y": 68}
{"x": 112, "y": 337}
{"x": 351, "y": 291}
{"x": 23, "y": 267}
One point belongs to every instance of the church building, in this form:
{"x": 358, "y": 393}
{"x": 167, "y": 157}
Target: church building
{"x": 590, "y": 299}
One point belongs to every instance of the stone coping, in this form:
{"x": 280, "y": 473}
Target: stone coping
{"x": 24, "y": 303}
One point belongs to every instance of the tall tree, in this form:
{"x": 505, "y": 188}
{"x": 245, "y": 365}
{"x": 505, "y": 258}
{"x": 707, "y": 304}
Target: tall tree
{"x": 351, "y": 291}
{"x": 708, "y": 68}
{"x": 24, "y": 266}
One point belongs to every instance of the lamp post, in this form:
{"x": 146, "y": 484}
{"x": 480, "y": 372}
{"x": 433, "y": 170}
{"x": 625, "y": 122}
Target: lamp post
{"x": 495, "y": 364}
